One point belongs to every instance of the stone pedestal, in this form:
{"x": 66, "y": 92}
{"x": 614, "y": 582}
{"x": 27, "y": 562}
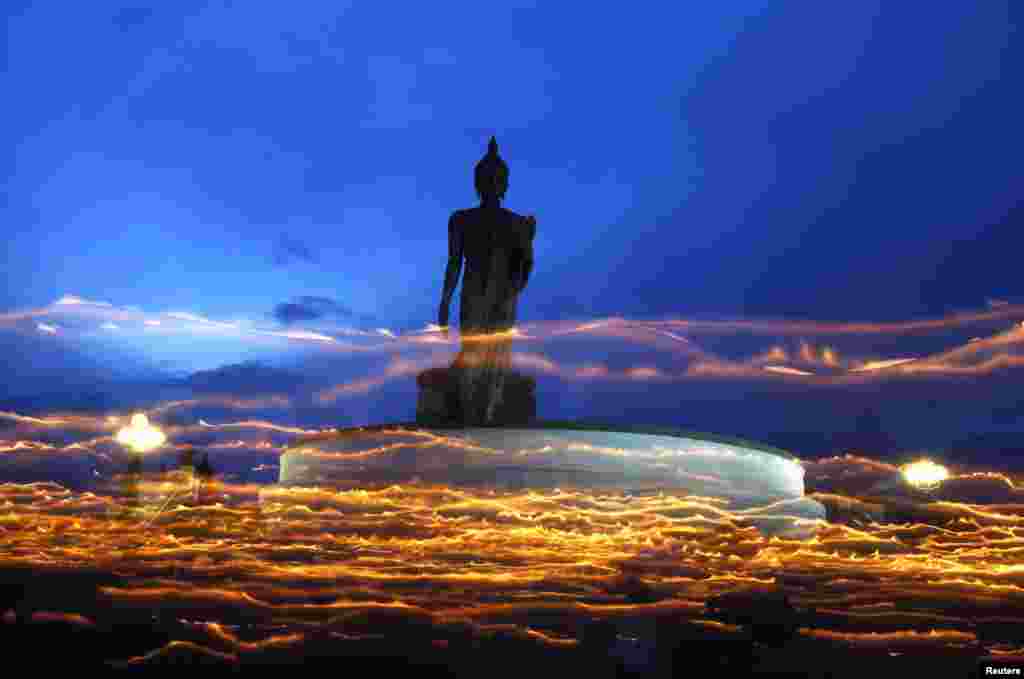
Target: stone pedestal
{"x": 440, "y": 402}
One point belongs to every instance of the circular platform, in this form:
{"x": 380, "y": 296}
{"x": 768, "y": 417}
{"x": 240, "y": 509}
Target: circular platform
{"x": 748, "y": 477}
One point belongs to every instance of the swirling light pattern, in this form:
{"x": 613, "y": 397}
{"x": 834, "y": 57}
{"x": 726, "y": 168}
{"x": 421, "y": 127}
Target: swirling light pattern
{"x": 975, "y": 343}
{"x": 888, "y": 567}
{"x": 884, "y": 568}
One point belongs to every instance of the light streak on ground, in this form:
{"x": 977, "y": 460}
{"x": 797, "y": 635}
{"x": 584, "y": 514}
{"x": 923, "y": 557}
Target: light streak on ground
{"x": 883, "y": 571}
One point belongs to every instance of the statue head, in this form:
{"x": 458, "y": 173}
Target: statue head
{"x": 491, "y": 174}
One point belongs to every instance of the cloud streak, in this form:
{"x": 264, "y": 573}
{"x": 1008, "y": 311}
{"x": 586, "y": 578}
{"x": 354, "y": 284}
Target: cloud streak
{"x": 311, "y": 308}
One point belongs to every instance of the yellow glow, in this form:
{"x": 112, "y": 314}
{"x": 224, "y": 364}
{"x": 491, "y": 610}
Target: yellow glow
{"x": 140, "y": 435}
{"x": 925, "y": 474}
{"x": 881, "y": 365}
{"x": 505, "y": 559}
{"x": 982, "y": 355}
{"x": 784, "y": 370}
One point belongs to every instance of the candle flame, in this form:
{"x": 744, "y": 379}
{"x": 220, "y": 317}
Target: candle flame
{"x": 140, "y": 435}
{"x": 925, "y": 474}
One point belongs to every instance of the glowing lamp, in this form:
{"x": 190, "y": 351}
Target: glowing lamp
{"x": 924, "y": 474}
{"x": 140, "y": 435}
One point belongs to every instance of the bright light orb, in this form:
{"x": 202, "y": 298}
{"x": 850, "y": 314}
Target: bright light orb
{"x": 140, "y": 435}
{"x": 924, "y": 474}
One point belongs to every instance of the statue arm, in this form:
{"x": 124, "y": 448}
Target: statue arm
{"x": 531, "y": 223}
{"x": 452, "y": 271}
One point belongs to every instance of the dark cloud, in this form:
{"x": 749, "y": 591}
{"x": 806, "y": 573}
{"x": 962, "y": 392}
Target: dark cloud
{"x": 44, "y": 373}
{"x": 291, "y": 312}
{"x": 288, "y": 249}
{"x": 309, "y": 308}
{"x": 34, "y": 362}
{"x": 128, "y": 18}
{"x": 245, "y": 379}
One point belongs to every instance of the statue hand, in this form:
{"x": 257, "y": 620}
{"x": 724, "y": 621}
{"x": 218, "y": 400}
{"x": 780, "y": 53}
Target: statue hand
{"x": 442, "y": 319}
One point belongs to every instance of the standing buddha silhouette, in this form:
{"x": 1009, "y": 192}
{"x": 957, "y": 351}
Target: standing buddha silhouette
{"x": 495, "y": 248}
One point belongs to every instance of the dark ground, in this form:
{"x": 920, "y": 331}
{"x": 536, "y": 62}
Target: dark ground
{"x": 767, "y": 644}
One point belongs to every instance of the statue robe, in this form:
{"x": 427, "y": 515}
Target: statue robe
{"x": 497, "y": 245}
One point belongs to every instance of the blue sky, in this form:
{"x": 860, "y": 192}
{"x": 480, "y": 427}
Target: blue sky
{"x": 678, "y": 159}
{"x": 181, "y": 146}
{"x": 850, "y": 161}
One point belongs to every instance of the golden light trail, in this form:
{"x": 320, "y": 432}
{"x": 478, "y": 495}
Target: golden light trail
{"x": 891, "y": 567}
{"x": 40, "y": 421}
{"x": 881, "y": 365}
{"x": 260, "y": 424}
{"x": 888, "y": 571}
{"x": 591, "y": 371}
{"x": 808, "y": 328}
{"x": 643, "y": 372}
{"x": 397, "y": 368}
{"x": 785, "y": 370}
{"x": 673, "y": 340}
{"x": 727, "y": 326}
{"x": 140, "y": 435}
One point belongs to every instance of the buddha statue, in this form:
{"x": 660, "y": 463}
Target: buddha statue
{"x": 491, "y": 247}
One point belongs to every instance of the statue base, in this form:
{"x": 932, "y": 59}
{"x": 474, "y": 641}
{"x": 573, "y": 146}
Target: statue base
{"x": 440, "y": 403}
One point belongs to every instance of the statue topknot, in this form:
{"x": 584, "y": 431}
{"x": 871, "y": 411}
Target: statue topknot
{"x": 491, "y": 174}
